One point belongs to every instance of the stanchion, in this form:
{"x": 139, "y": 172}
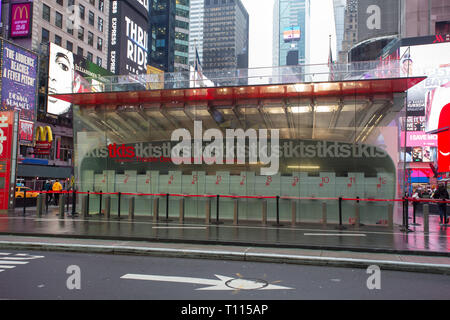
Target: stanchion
{"x": 74, "y": 202}
{"x": 415, "y": 204}
{"x": 217, "y": 211}
{"x": 166, "y": 219}
{"x": 118, "y": 204}
{"x": 100, "y": 204}
{"x": 24, "y": 201}
{"x": 340, "y": 226}
{"x": 278, "y": 212}
{"x": 405, "y": 227}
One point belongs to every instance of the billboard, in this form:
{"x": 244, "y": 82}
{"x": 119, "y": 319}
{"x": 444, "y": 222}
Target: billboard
{"x": 88, "y": 76}
{"x": 291, "y": 33}
{"x": 18, "y": 80}
{"x": 60, "y": 79}
{"x": 128, "y": 43}
{"x": 7, "y": 121}
{"x": 377, "y": 18}
{"x": 427, "y": 98}
{"x": 26, "y": 129}
{"x": 21, "y": 19}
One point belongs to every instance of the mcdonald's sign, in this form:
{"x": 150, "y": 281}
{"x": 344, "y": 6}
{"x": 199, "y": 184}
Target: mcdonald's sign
{"x": 21, "y": 14}
{"x": 44, "y": 138}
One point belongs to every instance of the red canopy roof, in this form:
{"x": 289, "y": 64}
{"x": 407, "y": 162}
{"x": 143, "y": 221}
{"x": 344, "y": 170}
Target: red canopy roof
{"x": 300, "y": 90}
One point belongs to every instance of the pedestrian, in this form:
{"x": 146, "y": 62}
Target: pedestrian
{"x": 57, "y": 187}
{"x": 442, "y": 194}
{"x": 415, "y": 196}
{"x": 47, "y": 188}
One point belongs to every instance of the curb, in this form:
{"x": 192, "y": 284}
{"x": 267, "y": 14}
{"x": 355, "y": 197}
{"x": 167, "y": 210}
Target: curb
{"x": 230, "y": 255}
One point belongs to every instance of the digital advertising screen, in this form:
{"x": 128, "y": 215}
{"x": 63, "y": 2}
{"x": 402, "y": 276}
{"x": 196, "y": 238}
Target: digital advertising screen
{"x": 18, "y": 80}
{"x": 60, "y": 79}
{"x": 128, "y": 43}
{"x": 88, "y": 76}
{"x": 291, "y": 33}
{"x": 21, "y": 19}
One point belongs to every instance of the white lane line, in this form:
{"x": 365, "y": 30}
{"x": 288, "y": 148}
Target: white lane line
{"x": 336, "y": 234}
{"x": 7, "y": 267}
{"x": 3, "y": 254}
{"x": 13, "y": 262}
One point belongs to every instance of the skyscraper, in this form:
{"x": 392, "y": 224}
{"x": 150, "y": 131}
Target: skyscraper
{"x": 291, "y": 19}
{"x": 225, "y": 35}
{"x": 196, "y": 15}
{"x": 181, "y": 35}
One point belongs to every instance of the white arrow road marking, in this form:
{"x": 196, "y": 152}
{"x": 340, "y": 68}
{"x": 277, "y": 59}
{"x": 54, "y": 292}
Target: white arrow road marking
{"x": 8, "y": 261}
{"x": 224, "y": 283}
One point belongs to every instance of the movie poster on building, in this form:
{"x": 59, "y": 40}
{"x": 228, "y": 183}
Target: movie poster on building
{"x": 415, "y": 61}
{"x": 60, "y": 79}
{"x": 21, "y": 19}
{"x": 26, "y": 129}
{"x": 19, "y": 73}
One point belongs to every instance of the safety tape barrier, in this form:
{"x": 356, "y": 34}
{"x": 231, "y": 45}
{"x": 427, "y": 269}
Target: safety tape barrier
{"x": 240, "y": 197}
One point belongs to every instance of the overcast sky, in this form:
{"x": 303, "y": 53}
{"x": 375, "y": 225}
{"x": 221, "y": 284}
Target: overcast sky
{"x": 261, "y": 29}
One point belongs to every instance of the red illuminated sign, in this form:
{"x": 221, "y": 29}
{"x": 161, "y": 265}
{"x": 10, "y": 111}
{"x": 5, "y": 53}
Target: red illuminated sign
{"x": 21, "y": 14}
{"x": 444, "y": 140}
{"x": 6, "y": 137}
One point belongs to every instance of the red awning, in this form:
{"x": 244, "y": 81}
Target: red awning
{"x": 300, "y": 90}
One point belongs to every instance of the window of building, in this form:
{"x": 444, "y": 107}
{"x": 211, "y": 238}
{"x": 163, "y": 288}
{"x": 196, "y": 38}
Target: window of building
{"x": 90, "y": 56}
{"x": 60, "y": 2}
{"x": 45, "y": 35}
{"x": 90, "y": 38}
{"x": 58, "y": 19}
{"x": 92, "y": 2}
{"x": 81, "y": 33}
{"x": 46, "y": 12}
{"x": 80, "y": 52}
{"x": 82, "y": 10}
{"x": 101, "y": 5}
{"x": 70, "y": 3}
{"x": 69, "y": 46}
{"x": 99, "y": 44}
{"x": 99, "y": 61}
{"x": 91, "y": 18}
{"x": 100, "y": 24}
{"x": 443, "y": 27}
{"x": 58, "y": 40}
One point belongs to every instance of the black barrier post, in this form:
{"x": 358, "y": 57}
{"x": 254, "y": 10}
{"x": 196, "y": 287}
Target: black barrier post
{"x": 74, "y": 201}
{"x": 405, "y": 227}
{"x": 118, "y": 205}
{"x": 340, "y": 226}
{"x": 278, "y": 212}
{"x": 415, "y": 204}
{"x": 68, "y": 200}
{"x": 47, "y": 200}
{"x": 100, "y": 205}
{"x": 217, "y": 211}
{"x": 24, "y": 201}
{"x": 87, "y": 203}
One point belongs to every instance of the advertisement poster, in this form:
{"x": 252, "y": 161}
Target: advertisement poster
{"x": 291, "y": 33}
{"x": 416, "y": 61}
{"x": 128, "y": 43}
{"x": 20, "y": 16}
{"x": 89, "y": 77}
{"x": 19, "y": 73}
{"x": 60, "y": 79}
{"x": 6, "y": 140}
{"x": 26, "y": 129}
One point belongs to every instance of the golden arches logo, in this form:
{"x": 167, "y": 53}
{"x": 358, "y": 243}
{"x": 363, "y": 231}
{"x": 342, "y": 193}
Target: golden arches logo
{"x": 21, "y": 9}
{"x": 44, "y": 134}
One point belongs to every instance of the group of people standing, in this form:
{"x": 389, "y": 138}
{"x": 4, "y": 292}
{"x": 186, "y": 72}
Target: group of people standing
{"x": 439, "y": 193}
{"x": 56, "y": 186}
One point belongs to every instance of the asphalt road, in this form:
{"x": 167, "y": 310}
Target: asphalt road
{"x": 54, "y": 275}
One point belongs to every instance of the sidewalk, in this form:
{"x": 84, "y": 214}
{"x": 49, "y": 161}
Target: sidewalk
{"x": 368, "y": 239}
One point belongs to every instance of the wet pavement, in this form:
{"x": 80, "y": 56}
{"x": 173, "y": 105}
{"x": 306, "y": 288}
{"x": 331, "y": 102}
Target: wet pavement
{"x": 306, "y": 236}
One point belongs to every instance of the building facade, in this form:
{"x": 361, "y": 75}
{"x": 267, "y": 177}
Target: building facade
{"x": 196, "y": 16}
{"x": 225, "y": 35}
{"x": 291, "y": 32}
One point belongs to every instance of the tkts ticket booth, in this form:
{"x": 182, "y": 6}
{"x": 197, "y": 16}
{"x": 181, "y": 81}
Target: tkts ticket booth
{"x": 248, "y": 154}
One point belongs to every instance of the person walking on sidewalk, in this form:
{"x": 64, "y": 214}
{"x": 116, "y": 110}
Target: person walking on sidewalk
{"x": 442, "y": 194}
{"x": 57, "y": 187}
{"x": 47, "y": 188}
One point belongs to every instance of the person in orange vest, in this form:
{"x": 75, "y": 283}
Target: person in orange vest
{"x": 57, "y": 187}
